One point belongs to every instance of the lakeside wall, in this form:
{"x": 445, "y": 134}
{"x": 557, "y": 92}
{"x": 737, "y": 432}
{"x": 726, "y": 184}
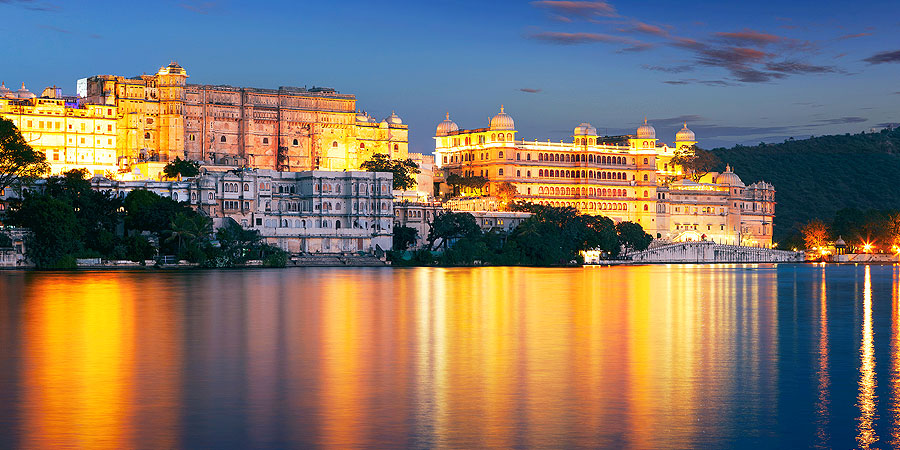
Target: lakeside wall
{"x": 707, "y": 251}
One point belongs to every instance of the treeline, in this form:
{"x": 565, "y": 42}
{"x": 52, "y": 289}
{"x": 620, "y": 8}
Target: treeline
{"x": 817, "y": 177}
{"x": 875, "y": 231}
{"x": 551, "y": 236}
{"x": 70, "y": 220}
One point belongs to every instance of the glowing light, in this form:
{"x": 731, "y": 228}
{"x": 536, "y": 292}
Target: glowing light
{"x": 867, "y": 247}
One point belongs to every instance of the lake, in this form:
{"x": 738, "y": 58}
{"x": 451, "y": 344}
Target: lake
{"x": 657, "y": 356}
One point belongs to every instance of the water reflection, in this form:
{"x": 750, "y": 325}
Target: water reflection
{"x": 866, "y": 398}
{"x": 601, "y": 357}
{"x": 823, "y": 376}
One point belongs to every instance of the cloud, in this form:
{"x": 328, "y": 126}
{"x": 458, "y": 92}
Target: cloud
{"x": 643, "y": 46}
{"x": 582, "y": 9}
{"x": 676, "y": 121}
{"x": 712, "y": 83}
{"x": 884, "y": 57}
{"x": 32, "y": 5}
{"x": 645, "y": 28}
{"x": 853, "y": 36}
{"x": 530, "y": 90}
{"x": 56, "y": 29}
{"x": 562, "y": 38}
{"x": 839, "y": 121}
{"x": 749, "y": 37}
{"x": 795, "y": 67}
{"x": 199, "y": 7}
{"x": 888, "y": 125}
{"x": 669, "y": 69}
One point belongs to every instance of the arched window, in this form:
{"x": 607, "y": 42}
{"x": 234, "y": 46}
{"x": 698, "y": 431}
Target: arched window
{"x": 334, "y": 144}
{"x": 362, "y": 145}
{"x": 493, "y": 137}
{"x": 541, "y": 172}
{"x": 645, "y": 177}
{"x": 175, "y": 196}
{"x": 518, "y": 173}
{"x": 146, "y": 135}
{"x": 337, "y": 223}
{"x": 191, "y": 137}
{"x": 500, "y": 172}
{"x": 222, "y": 139}
{"x": 646, "y": 194}
{"x": 509, "y": 136}
{"x": 397, "y": 147}
{"x": 296, "y": 142}
{"x": 646, "y": 208}
{"x": 265, "y": 140}
{"x": 645, "y": 161}
{"x": 501, "y": 153}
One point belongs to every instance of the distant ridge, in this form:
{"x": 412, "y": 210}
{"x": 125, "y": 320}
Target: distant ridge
{"x": 818, "y": 176}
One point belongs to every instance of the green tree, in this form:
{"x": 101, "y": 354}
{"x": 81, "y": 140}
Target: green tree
{"x": 191, "y": 232}
{"x": 404, "y": 237}
{"x": 139, "y": 248}
{"x": 181, "y": 167}
{"x": 451, "y": 226}
{"x": 146, "y": 211}
{"x": 55, "y": 236}
{"x": 457, "y": 182}
{"x": 404, "y": 170}
{"x": 696, "y": 162}
{"x": 18, "y": 161}
{"x": 632, "y": 236}
{"x": 237, "y": 245}
{"x": 5, "y": 241}
{"x": 557, "y": 236}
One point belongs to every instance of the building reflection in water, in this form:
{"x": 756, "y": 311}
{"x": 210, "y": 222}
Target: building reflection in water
{"x": 646, "y": 356}
{"x": 866, "y": 397}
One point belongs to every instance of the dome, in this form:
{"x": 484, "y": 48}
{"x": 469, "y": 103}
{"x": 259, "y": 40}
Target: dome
{"x": 362, "y": 117}
{"x": 839, "y": 243}
{"x": 394, "y": 119}
{"x": 585, "y": 129}
{"x": 502, "y": 121}
{"x": 4, "y": 91}
{"x": 729, "y": 178}
{"x": 685, "y": 135}
{"x": 24, "y": 93}
{"x": 446, "y": 127}
{"x": 646, "y": 131}
{"x": 172, "y": 69}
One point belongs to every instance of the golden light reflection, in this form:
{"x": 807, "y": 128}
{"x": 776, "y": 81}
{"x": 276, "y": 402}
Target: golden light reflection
{"x": 895, "y": 360}
{"x": 823, "y": 401}
{"x": 866, "y": 435}
{"x": 79, "y": 365}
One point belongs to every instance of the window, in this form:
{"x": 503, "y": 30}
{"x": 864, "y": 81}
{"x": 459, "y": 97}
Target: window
{"x": 222, "y": 139}
{"x": 396, "y": 147}
{"x": 296, "y": 142}
{"x": 500, "y": 172}
{"x": 518, "y": 156}
{"x": 191, "y": 137}
{"x": 645, "y": 177}
{"x": 518, "y": 173}
{"x": 645, "y": 160}
{"x": 334, "y": 144}
{"x": 265, "y": 140}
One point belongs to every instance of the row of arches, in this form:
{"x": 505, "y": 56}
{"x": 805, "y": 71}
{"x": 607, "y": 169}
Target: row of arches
{"x": 567, "y": 157}
{"x": 590, "y": 206}
{"x": 560, "y": 173}
{"x": 584, "y": 191}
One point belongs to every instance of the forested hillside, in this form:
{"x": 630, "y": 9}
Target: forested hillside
{"x": 816, "y": 177}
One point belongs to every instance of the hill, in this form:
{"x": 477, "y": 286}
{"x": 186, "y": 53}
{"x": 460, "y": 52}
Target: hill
{"x": 816, "y": 177}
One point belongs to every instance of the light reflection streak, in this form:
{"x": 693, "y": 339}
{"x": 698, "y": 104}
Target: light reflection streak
{"x": 866, "y": 400}
{"x": 823, "y": 401}
{"x": 895, "y": 356}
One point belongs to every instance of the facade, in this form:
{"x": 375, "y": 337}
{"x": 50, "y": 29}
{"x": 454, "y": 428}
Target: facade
{"x": 626, "y": 178}
{"x": 301, "y": 212}
{"x": 419, "y": 215}
{"x": 73, "y": 134}
{"x": 162, "y": 117}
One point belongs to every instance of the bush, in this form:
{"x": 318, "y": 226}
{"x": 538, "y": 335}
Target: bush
{"x": 275, "y": 257}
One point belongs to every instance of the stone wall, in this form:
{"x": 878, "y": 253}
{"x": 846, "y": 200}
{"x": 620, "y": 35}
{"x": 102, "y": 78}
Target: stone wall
{"x": 703, "y": 252}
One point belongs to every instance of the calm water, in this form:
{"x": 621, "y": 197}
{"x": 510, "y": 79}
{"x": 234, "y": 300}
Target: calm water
{"x": 791, "y": 356}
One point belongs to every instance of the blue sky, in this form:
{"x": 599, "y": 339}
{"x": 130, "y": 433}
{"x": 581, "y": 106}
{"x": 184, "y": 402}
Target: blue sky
{"x": 738, "y": 72}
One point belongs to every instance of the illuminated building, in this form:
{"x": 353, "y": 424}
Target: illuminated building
{"x": 301, "y": 212}
{"x": 161, "y": 117}
{"x": 72, "y": 134}
{"x": 626, "y": 178}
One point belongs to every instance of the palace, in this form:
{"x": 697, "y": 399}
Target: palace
{"x": 161, "y": 117}
{"x": 626, "y": 178}
{"x": 73, "y": 135}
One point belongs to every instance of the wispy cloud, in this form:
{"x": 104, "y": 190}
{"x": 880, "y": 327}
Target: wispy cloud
{"x": 853, "y": 36}
{"x": 530, "y": 90}
{"x": 796, "y": 67}
{"x": 555, "y": 37}
{"x": 669, "y": 69}
{"x": 884, "y": 57}
{"x": 578, "y": 9}
{"x": 32, "y": 5}
{"x": 748, "y": 37}
{"x": 199, "y": 7}
{"x": 712, "y": 83}
{"x": 676, "y": 121}
{"x": 839, "y": 121}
